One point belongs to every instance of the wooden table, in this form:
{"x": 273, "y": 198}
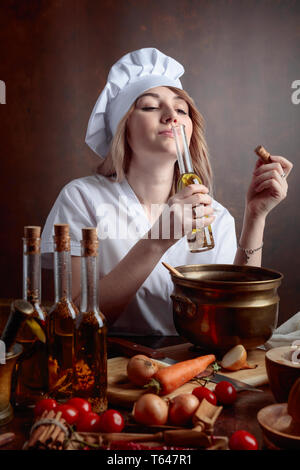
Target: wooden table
{"x": 241, "y": 415}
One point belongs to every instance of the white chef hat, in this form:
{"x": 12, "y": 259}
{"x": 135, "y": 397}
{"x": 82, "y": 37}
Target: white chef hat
{"x": 128, "y": 78}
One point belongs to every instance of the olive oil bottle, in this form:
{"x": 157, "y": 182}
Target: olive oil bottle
{"x": 200, "y": 239}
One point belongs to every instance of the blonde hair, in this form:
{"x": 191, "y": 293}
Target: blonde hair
{"x": 118, "y": 159}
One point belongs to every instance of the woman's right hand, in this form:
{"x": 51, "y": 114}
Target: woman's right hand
{"x": 188, "y": 209}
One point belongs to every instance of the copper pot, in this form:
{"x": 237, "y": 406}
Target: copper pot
{"x": 217, "y": 306}
{"x": 6, "y": 371}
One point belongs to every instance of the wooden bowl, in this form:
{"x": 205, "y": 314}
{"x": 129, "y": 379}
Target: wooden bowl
{"x": 282, "y": 371}
{"x": 278, "y": 427}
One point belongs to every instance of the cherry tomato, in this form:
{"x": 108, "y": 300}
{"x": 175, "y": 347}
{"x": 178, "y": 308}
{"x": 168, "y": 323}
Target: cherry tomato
{"x": 69, "y": 413}
{"x": 43, "y": 405}
{"x": 112, "y": 421}
{"x": 204, "y": 392}
{"x": 80, "y": 404}
{"x": 88, "y": 422}
{"x": 225, "y": 393}
{"x": 242, "y": 440}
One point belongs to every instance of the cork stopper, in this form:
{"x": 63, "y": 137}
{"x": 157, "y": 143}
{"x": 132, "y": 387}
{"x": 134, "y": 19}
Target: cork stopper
{"x": 263, "y": 154}
{"x": 32, "y": 231}
{"x": 23, "y": 307}
{"x": 32, "y": 240}
{"x": 61, "y": 230}
{"x": 89, "y": 243}
{"x": 62, "y": 237}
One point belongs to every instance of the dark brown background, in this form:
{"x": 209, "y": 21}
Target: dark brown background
{"x": 241, "y": 58}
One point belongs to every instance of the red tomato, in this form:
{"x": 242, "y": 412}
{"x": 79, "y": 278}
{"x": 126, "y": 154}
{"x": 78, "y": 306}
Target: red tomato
{"x": 203, "y": 392}
{"x": 45, "y": 404}
{"x": 225, "y": 393}
{"x": 88, "y": 422}
{"x": 80, "y": 404}
{"x": 69, "y": 413}
{"x": 242, "y": 440}
{"x": 112, "y": 421}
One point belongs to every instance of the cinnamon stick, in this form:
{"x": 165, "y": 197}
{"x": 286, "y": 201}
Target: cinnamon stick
{"x": 58, "y": 443}
{"x": 187, "y": 437}
{"x": 38, "y": 431}
{"x": 42, "y": 438}
{"x": 56, "y": 431}
{"x": 122, "y": 436}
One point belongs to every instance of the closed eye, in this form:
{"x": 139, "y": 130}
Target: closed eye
{"x": 150, "y": 108}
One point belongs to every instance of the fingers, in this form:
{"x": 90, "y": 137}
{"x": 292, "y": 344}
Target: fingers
{"x": 197, "y": 199}
{"x": 202, "y": 211}
{"x": 192, "y": 189}
{"x": 268, "y": 175}
{"x": 274, "y": 186}
{"x": 278, "y": 163}
{"x": 286, "y": 165}
{"x": 204, "y": 220}
{"x": 192, "y": 196}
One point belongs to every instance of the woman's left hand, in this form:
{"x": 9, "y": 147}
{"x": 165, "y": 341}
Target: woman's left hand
{"x": 268, "y": 186}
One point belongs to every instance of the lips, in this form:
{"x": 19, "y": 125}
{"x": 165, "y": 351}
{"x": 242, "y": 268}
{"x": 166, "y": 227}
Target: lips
{"x": 167, "y": 133}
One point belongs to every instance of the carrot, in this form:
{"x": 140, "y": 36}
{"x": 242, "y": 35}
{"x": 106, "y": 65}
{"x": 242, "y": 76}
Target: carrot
{"x": 168, "y": 379}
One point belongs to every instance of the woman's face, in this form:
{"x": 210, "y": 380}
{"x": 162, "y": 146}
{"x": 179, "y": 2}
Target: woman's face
{"x": 149, "y": 129}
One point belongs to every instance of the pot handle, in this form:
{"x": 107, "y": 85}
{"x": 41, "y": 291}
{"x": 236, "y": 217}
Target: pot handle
{"x": 184, "y": 306}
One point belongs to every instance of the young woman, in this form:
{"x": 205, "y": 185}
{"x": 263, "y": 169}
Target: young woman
{"x": 130, "y": 197}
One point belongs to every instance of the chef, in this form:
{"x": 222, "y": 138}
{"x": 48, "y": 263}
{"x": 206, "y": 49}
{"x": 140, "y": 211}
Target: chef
{"x": 132, "y": 199}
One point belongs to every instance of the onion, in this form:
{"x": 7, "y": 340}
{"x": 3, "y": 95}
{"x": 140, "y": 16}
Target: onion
{"x": 150, "y": 409}
{"x": 182, "y": 408}
{"x": 236, "y": 359}
{"x": 140, "y": 369}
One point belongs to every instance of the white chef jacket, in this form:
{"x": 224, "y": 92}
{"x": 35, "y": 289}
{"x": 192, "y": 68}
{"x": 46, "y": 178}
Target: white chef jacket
{"x": 98, "y": 201}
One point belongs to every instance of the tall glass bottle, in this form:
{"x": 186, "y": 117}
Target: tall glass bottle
{"x": 31, "y": 369}
{"x": 61, "y": 319}
{"x": 90, "y": 359}
{"x": 200, "y": 239}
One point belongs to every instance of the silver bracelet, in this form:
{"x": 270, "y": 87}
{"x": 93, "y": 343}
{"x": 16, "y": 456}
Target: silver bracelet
{"x": 249, "y": 251}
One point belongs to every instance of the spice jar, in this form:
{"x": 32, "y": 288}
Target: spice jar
{"x": 90, "y": 359}
{"x": 60, "y": 322}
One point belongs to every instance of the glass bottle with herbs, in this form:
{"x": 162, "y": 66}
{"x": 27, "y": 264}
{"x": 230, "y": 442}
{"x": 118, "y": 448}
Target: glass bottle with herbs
{"x": 61, "y": 319}
{"x": 31, "y": 370}
{"x": 90, "y": 359}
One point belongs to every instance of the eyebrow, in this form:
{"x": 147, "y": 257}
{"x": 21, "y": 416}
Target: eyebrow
{"x": 155, "y": 95}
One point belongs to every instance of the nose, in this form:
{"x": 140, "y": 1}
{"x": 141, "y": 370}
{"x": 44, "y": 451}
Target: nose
{"x": 169, "y": 117}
